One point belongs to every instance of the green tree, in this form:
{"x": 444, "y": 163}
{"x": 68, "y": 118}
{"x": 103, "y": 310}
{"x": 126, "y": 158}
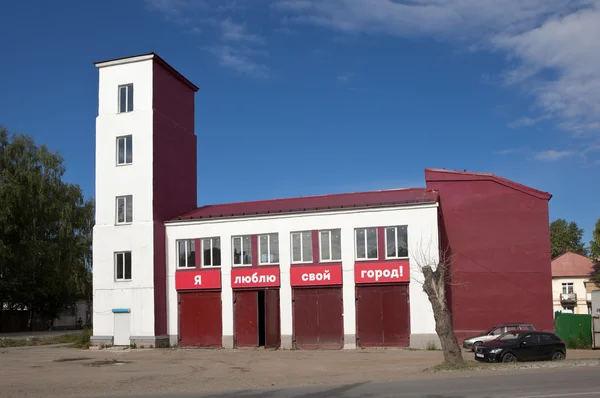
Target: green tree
{"x": 566, "y": 236}
{"x": 45, "y": 230}
{"x": 595, "y": 242}
{"x": 595, "y": 274}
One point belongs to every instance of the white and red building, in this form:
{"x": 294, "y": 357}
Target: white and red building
{"x": 333, "y": 271}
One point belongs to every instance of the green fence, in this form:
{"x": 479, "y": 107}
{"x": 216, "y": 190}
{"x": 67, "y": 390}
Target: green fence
{"x": 574, "y": 329}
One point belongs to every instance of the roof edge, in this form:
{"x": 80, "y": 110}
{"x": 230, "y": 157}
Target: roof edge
{"x": 182, "y": 219}
{"x": 572, "y": 252}
{"x": 475, "y": 176}
{"x": 146, "y": 57}
{"x": 124, "y": 60}
{"x": 318, "y": 196}
{"x": 571, "y": 276}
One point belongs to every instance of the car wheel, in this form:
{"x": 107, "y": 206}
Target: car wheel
{"x": 476, "y": 345}
{"x": 558, "y": 356}
{"x": 509, "y": 357}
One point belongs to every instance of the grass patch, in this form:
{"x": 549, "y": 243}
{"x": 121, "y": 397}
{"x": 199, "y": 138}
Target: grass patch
{"x": 431, "y": 346}
{"x": 578, "y": 343}
{"x": 475, "y": 366}
{"x": 453, "y": 367}
{"x": 84, "y": 339}
{"x": 78, "y": 340}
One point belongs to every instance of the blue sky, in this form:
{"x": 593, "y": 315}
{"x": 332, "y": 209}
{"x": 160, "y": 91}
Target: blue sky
{"x": 302, "y": 97}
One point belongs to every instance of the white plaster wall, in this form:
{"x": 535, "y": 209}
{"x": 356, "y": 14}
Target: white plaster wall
{"x": 422, "y": 227}
{"x": 113, "y": 181}
{"x": 578, "y": 287}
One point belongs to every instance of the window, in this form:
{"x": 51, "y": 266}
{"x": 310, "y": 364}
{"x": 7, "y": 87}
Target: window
{"x": 527, "y": 327}
{"x": 331, "y": 245}
{"x": 302, "y": 247}
{"x": 211, "y": 252}
{"x": 124, "y": 209}
{"x": 126, "y": 98}
{"x": 123, "y": 266}
{"x": 497, "y": 331}
{"x": 567, "y": 288}
{"x": 242, "y": 251}
{"x": 366, "y": 244}
{"x": 268, "y": 248}
{"x": 124, "y": 152}
{"x": 186, "y": 253}
{"x": 546, "y": 339}
{"x": 396, "y": 242}
{"x": 531, "y": 339}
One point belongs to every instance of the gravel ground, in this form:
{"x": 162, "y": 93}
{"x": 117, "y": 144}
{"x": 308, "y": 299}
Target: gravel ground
{"x": 68, "y": 372}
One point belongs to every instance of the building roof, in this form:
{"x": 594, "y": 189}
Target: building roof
{"x": 144, "y": 57}
{"x": 453, "y": 175}
{"x": 355, "y": 200}
{"x": 571, "y": 264}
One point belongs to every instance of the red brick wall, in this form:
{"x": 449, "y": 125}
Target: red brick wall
{"x": 174, "y": 163}
{"x": 499, "y": 243}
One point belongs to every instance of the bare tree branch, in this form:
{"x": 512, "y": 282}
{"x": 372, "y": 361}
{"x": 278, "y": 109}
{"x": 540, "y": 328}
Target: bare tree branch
{"x": 434, "y": 273}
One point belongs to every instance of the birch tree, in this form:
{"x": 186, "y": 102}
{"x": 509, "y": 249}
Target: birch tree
{"x": 45, "y": 230}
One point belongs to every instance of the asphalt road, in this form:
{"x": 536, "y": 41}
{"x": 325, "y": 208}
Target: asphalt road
{"x": 530, "y": 383}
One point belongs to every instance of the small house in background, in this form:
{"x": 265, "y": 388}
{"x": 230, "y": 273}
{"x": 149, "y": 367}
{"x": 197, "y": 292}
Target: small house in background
{"x": 571, "y": 287}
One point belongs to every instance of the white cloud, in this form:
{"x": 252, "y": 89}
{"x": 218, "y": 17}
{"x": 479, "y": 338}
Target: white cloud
{"x": 229, "y": 6}
{"x": 238, "y": 54}
{"x": 552, "y": 155}
{"x": 175, "y": 10}
{"x": 240, "y": 60}
{"x": 527, "y": 121}
{"x": 509, "y": 151}
{"x": 552, "y": 42}
{"x": 344, "y": 77}
{"x": 292, "y": 4}
{"x": 237, "y": 32}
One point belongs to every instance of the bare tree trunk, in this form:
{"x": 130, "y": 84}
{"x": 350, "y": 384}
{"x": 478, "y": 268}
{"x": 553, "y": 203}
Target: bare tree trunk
{"x": 435, "y": 288}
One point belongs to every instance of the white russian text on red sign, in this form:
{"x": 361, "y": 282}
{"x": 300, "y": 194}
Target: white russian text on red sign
{"x": 315, "y": 275}
{"x": 382, "y": 272}
{"x": 386, "y": 273}
{"x": 255, "y": 278}
{"x": 319, "y": 276}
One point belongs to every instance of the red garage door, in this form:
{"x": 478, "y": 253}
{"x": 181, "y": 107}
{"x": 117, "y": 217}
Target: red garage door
{"x": 382, "y": 316}
{"x": 256, "y": 318}
{"x": 200, "y": 319}
{"x": 318, "y": 320}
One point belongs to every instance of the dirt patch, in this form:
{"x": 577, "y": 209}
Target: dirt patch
{"x": 48, "y": 372}
{"x": 108, "y": 362}
{"x": 71, "y": 359}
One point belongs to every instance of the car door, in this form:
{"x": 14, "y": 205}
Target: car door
{"x": 528, "y": 348}
{"x": 547, "y": 346}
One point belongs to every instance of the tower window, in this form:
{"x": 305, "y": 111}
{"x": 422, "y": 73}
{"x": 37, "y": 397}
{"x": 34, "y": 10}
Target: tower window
{"x": 125, "y": 209}
{"x": 126, "y": 98}
{"x": 124, "y": 150}
{"x": 123, "y": 266}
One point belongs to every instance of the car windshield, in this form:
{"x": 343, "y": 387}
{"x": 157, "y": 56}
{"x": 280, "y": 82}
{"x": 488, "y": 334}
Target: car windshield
{"x": 508, "y": 336}
{"x": 491, "y": 331}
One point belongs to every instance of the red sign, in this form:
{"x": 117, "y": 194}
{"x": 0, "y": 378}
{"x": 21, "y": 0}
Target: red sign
{"x": 191, "y": 280}
{"x": 254, "y": 277}
{"x": 394, "y": 271}
{"x": 316, "y": 275}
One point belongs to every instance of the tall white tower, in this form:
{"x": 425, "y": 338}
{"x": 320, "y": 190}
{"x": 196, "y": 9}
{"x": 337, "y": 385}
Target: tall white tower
{"x": 145, "y": 174}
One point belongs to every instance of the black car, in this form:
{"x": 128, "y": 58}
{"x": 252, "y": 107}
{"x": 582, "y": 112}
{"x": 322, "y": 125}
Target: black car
{"x": 522, "y": 345}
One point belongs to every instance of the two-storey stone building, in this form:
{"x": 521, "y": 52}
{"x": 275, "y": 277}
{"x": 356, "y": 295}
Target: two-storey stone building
{"x": 332, "y": 271}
